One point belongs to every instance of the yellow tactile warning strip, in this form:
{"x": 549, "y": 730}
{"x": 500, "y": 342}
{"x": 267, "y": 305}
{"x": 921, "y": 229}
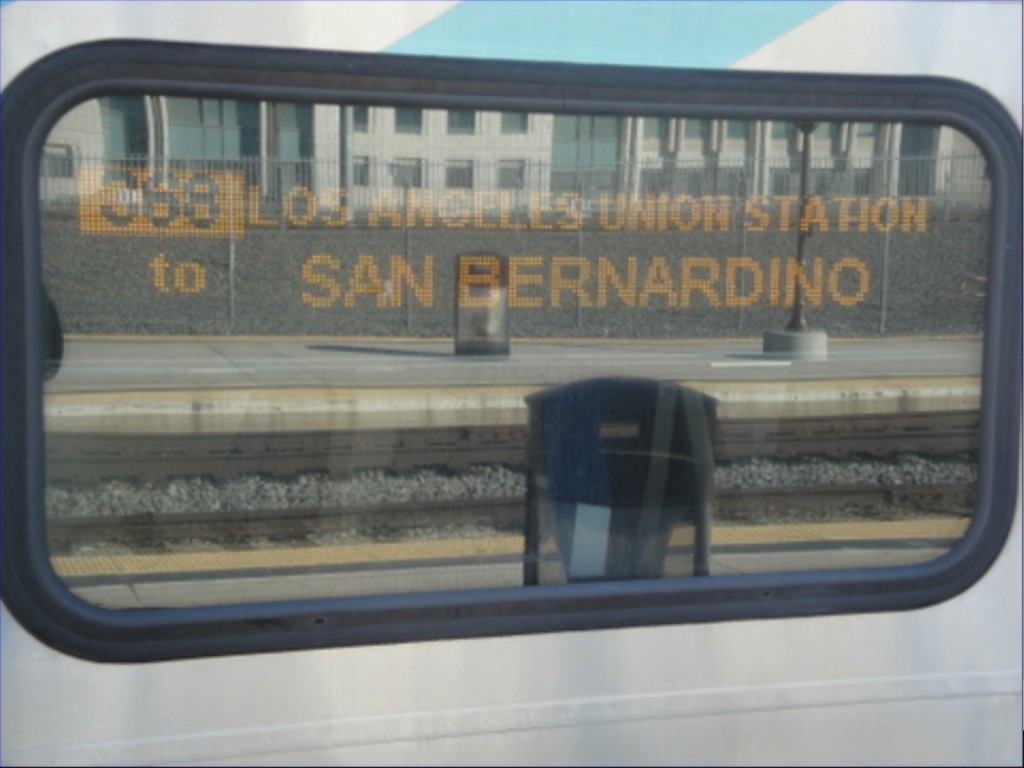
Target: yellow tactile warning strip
{"x": 409, "y": 398}
{"x": 483, "y": 547}
{"x": 930, "y": 528}
{"x": 288, "y": 557}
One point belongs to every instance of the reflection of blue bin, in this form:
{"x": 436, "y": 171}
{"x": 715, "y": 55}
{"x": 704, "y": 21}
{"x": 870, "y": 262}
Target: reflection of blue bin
{"x": 615, "y": 466}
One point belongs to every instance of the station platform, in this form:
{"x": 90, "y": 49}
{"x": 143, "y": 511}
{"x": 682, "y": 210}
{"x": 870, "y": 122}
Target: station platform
{"x": 217, "y": 384}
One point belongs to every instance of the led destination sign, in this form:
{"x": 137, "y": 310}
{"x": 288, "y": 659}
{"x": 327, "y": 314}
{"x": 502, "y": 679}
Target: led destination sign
{"x": 536, "y": 282}
{"x": 220, "y": 204}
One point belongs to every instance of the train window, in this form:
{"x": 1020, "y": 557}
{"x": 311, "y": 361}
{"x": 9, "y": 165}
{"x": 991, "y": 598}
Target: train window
{"x": 360, "y": 380}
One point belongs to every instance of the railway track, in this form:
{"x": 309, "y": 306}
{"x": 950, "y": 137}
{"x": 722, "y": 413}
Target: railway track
{"x": 151, "y": 457}
{"x": 504, "y": 515}
{"x": 84, "y": 458}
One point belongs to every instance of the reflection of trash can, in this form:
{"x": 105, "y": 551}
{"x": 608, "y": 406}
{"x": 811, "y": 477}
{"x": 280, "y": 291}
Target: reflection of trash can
{"x": 481, "y": 304}
{"x": 620, "y": 481}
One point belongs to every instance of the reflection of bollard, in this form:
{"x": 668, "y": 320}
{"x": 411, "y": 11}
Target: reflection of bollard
{"x": 616, "y": 466}
{"x": 53, "y": 338}
{"x": 481, "y": 305}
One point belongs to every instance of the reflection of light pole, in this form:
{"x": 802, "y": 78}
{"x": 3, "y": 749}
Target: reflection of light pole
{"x": 797, "y": 321}
{"x": 798, "y": 341}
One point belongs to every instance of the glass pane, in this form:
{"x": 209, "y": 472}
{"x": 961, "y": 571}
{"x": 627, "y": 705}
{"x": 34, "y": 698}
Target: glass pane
{"x": 459, "y": 174}
{"x": 123, "y": 125}
{"x": 696, "y": 129}
{"x": 461, "y": 121}
{"x": 186, "y": 142}
{"x": 288, "y": 144}
{"x": 867, "y": 129}
{"x": 512, "y": 174}
{"x": 407, "y": 173}
{"x": 408, "y": 120}
{"x": 361, "y": 171}
{"x": 514, "y": 122}
{"x": 184, "y": 111}
{"x": 211, "y": 112}
{"x": 737, "y": 129}
{"x": 361, "y": 119}
{"x": 342, "y": 361}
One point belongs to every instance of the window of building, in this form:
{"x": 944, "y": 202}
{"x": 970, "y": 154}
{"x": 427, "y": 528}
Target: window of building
{"x": 361, "y": 171}
{"x": 585, "y": 153}
{"x": 918, "y": 148}
{"x": 203, "y": 129}
{"x": 461, "y": 121}
{"x": 826, "y": 131}
{"x": 656, "y": 134}
{"x": 512, "y": 174}
{"x": 696, "y": 129}
{"x": 656, "y": 128}
{"x": 867, "y": 130}
{"x": 211, "y": 129}
{"x": 361, "y": 119}
{"x": 737, "y": 129}
{"x": 408, "y": 120}
{"x": 515, "y": 122}
{"x": 459, "y": 174}
{"x": 783, "y": 130}
{"x": 58, "y": 161}
{"x": 293, "y": 125}
{"x": 407, "y": 173}
{"x": 124, "y": 126}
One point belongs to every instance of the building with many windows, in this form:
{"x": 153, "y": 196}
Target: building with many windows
{"x": 370, "y": 152}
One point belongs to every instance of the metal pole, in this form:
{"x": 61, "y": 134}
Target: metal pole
{"x": 231, "y": 257}
{"x": 231, "y": 270}
{"x": 798, "y": 321}
{"x": 890, "y": 167}
{"x": 406, "y": 293}
{"x": 740, "y": 209}
{"x": 579, "y": 253}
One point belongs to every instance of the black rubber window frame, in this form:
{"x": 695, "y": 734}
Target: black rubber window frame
{"x": 40, "y": 95}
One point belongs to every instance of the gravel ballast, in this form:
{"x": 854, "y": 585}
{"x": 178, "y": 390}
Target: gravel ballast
{"x": 309, "y": 491}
